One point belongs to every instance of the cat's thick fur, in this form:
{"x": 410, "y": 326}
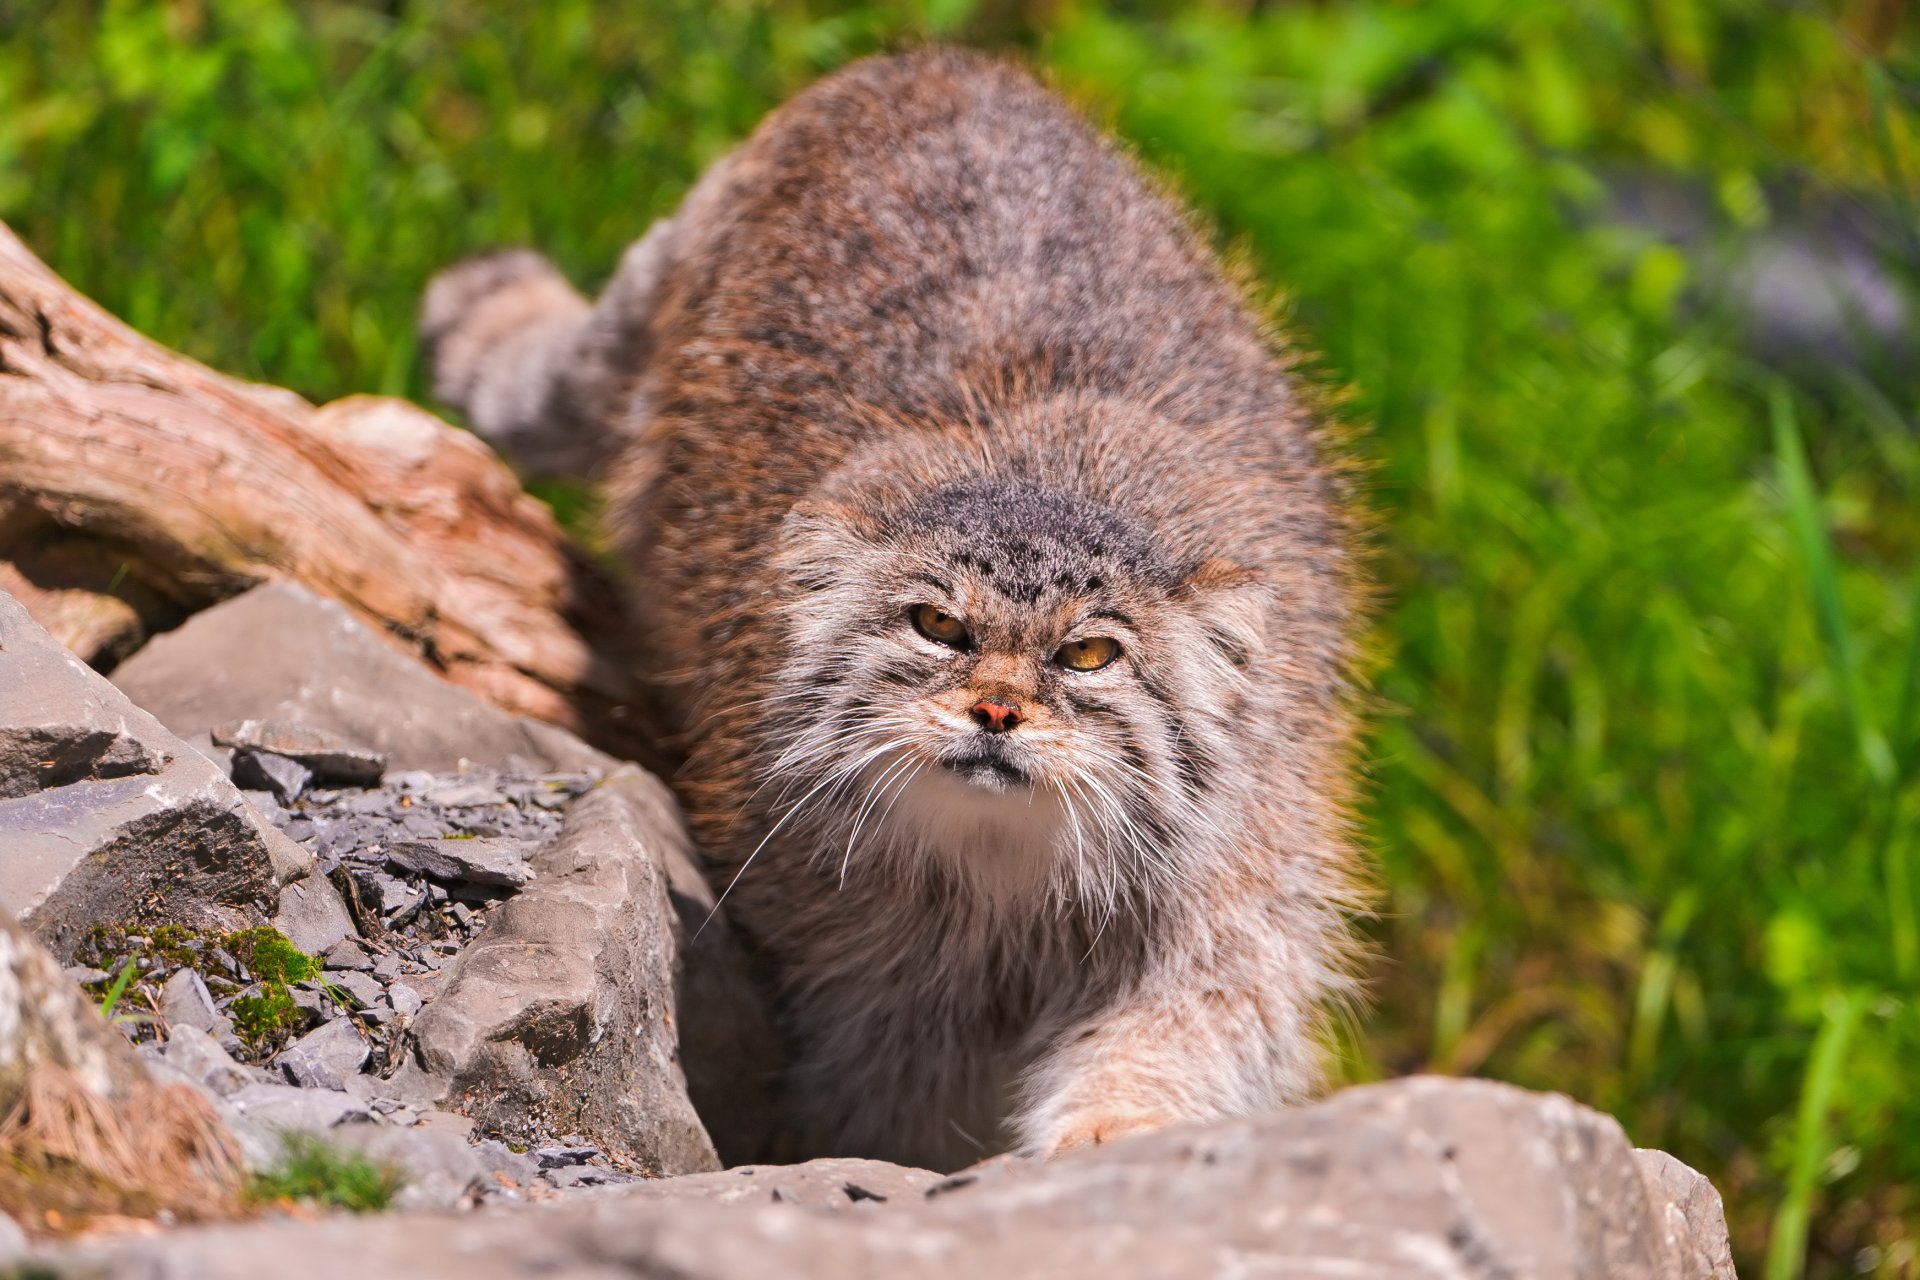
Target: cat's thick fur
{"x": 927, "y": 341}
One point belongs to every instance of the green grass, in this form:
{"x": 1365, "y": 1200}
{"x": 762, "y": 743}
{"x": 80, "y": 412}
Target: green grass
{"x": 315, "y": 1172}
{"x": 1646, "y": 775}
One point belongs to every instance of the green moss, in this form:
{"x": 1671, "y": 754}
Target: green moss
{"x": 271, "y": 959}
{"x": 318, "y": 1173}
{"x": 263, "y": 1021}
{"x": 266, "y": 1021}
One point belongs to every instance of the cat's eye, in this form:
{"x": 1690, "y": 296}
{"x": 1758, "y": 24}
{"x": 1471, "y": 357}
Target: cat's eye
{"x": 939, "y": 627}
{"x": 1090, "y": 654}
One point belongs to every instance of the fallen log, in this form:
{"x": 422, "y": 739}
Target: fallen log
{"x": 137, "y": 486}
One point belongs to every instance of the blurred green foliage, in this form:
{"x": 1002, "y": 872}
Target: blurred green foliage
{"x": 1646, "y": 775}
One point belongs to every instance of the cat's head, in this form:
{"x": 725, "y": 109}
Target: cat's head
{"x": 1010, "y": 676}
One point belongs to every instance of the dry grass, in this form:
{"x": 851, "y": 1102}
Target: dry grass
{"x": 71, "y": 1159}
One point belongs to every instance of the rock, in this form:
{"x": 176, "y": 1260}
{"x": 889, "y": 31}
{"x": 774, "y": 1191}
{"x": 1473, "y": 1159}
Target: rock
{"x": 510, "y": 1170}
{"x": 196, "y": 1055}
{"x": 186, "y": 1002}
{"x": 1418, "y": 1179}
{"x": 348, "y": 954}
{"x": 831, "y": 1184}
{"x": 1695, "y": 1218}
{"x": 288, "y": 780}
{"x": 567, "y": 1177}
{"x": 559, "y": 1017}
{"x": 327, "y": 757}
{"x": 107, "y": 817}
{"x": 439, "y": 1170}
{"x": 405, "y": 1000}
{"x": 312, "y": 916}
{"x": 477, "y": 860}
{"x": 265, "y": 1114}
{"x": 363, "y": 987}
{"x": 280, "y": 653}
{"x": 556, "y": 1157}
{"x": 325, "y": 1056}
{"x": 46, "y": 1021}
{"x": 446, "y": 1122}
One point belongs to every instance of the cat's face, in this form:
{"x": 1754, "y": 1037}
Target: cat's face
{"x": 1006, "y": 672}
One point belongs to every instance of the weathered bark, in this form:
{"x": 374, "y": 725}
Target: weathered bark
{"x": 138, "y": 486}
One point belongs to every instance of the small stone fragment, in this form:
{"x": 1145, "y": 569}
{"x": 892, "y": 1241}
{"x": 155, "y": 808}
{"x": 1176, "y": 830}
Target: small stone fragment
{"x": 194, "y": 1053}
{"x": 364, "y": 988}
{"x": 480, "y": 860}
{"x": 447, "y": 1122}
{"x": 586, "y": 1175}
{"x": 348, "y": 954}
{"x": 330, "y": 757}
{"x": 557, "y": 1156}
{"x": 466, "y": 795}
{"x": 312, "y": 916}
{"x": 324, "y": 1058}
{"x": 186, "y": 1002}
{"x": 286, "y": 779}
{"x": 511, "y": 1171}
{"x": 406, "y": 1001}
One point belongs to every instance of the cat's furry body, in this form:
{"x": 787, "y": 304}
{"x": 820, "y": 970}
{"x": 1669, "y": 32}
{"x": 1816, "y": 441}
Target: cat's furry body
{"x": 927, "y": 341}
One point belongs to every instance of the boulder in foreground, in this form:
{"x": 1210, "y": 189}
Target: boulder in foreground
{"x": 105, "y": 817}
{"x": 1419, "y": 1179}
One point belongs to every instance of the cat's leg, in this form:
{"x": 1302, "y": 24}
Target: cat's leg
{"x": 1233, "y": 1028}
{"x": 542, "y": 374}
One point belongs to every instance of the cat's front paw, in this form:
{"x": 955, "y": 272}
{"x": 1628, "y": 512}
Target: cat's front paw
{"x": 1095, "y": 1128}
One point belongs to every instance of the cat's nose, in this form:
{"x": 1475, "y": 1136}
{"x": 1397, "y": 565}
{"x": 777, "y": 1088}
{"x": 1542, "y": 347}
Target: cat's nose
{"x": 996, "y": 715}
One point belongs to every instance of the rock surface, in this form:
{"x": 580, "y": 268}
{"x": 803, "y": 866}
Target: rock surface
{"x": 560, "y": 1016}
{"x": 1418, "y": 1179}
{"x": 281, "y": 653}
{"x": 106, "y": 816}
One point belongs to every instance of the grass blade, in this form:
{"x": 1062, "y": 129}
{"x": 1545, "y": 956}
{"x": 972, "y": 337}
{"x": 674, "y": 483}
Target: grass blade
{"x": 1823, "y": 579}
{"x": 1786, "y": 1252}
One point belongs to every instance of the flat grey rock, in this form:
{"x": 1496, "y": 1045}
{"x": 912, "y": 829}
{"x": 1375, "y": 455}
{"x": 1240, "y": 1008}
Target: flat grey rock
{"x": 510, "y": 1170}
{"x": 326, "y": 757}
{"x": 559, "y": 1017}
{"x": 348, "y": 954}
{"x": 1422, "y": 1179}
{"x": 831, "y": 1185}
{"x": 405, "y": 1000}
{"x": 199, "y": 1057}
{"x": 281, "y": 653}
{"x": 365, "y": 989}
{"x": 186, "y": 1002}
{"x": 312, "y": 916}
{"x": 263, "y": 1116}
{"x": 441, "y": 1171}
{"x": 324, "y": 1057}
{"x": 106, "y": 817}
{"x": 286, "y": 780}
{"x": 476, "y": 860}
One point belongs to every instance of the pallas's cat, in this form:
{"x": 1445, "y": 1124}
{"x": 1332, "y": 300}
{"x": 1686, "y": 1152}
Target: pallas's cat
{"x": 997, "y": 583}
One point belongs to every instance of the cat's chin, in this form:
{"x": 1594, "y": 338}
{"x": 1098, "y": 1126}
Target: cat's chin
{"x": 989, "y": 773}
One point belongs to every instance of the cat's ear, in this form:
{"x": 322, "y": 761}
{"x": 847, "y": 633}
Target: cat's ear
{"x": 1232, "y": 605}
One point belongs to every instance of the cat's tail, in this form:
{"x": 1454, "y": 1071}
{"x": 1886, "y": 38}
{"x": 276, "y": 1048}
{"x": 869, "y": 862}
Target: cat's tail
{"x": 546, "y": 377}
